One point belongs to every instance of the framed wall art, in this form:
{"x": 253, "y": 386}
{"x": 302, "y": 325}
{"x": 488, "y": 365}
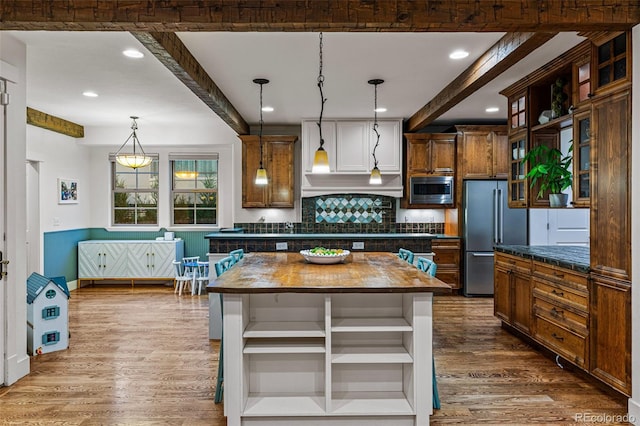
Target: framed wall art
{"x": 67, "y": 191}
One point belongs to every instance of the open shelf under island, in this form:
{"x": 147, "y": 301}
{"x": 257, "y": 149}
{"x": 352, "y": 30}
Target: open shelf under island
{"x": 333, "y": 344}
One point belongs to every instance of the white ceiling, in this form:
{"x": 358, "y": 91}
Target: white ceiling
{"x": 415, "y": 67}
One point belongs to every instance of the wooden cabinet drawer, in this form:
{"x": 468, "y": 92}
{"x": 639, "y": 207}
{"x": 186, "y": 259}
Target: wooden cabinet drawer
{"x": 577, "y": 322}
{"x": 446, "y": 258}
{"x": 560, "y": 294}
{"x": 512, "y": 262}
{"x": 570, "y": 345}
{"x": 560, "y": 275}
{"x": 450, "y": 277}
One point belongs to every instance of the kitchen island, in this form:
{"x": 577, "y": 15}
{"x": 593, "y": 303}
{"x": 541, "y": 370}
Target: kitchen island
{"x": 340, "y": 344}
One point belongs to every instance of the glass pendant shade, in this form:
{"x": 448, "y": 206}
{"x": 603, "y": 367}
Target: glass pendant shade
{"x": 136, "y": 158}
{"x": 261, "y": 177}
{"x": 320, "y": 162}
{"x": 261, "y": 173}
{"x": 134, "y": 161}
{"x": 375, "y": 178}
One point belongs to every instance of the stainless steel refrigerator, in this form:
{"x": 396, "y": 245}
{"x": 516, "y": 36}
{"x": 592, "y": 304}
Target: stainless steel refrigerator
{"x": 487, "y": 221}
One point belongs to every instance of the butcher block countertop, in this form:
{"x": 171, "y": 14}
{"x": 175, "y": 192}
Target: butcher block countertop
{"x": 370, "y": 272}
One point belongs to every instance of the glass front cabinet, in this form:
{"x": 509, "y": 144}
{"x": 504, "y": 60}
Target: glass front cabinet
{"x": 517, "y": 183}
{"x": 581, "y": 158}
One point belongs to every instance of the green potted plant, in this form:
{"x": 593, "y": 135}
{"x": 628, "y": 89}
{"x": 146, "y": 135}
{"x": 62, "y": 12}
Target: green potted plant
{"x": 551, "y": 169}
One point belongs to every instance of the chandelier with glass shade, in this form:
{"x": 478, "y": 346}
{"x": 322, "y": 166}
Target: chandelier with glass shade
{"x": 136, "y": 157}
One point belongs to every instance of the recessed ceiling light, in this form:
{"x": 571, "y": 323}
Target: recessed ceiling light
{"x": 267, "y": 109}
{"x": 380, "y": 109}
{"x": 492, "y": 109}
{"x": 133, "y": 53}
{"x": 459, "y": 54}
{"x": 90, "y": 94}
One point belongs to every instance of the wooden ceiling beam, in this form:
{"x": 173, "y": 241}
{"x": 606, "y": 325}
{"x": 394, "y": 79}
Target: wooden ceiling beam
{"x": 320, "y": 15}
{"x": 53, "y": 123}
{"x": 501, "y": 56}
{"x": 174, "y": 55}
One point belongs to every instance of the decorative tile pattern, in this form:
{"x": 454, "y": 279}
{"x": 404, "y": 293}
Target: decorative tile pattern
{"x": 368, "y": 224}
{"x": 343, "y": 210}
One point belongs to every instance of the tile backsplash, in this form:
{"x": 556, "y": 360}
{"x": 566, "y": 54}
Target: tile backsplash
{"x": 345, "y": 213}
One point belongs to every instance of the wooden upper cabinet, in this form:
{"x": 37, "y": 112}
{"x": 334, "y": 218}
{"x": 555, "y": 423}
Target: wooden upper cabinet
{"x": 517, "y": 105}
{"x": 278, "y": 160}
{"x": 483, "y": 152}
{"x": 431, "y": 153}
{"x": 611, "y": 186}
{"x": 611, "y": 64}
{"x": 582, "y": 158}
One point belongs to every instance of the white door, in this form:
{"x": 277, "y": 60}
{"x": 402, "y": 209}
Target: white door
{"x": 563, "y": 227}
{"x": 139, "y": 260}
{"x": 33, "y": 217}
{"x": 352, "y": 146}
{"x": 389, "y": 149}
{"x": 114, "y": 260}
{"x": 162, "y": 254}
{"x": 89, "y": 260}
{"x": 569, "y": 227}
{"x": 3, "y": 248}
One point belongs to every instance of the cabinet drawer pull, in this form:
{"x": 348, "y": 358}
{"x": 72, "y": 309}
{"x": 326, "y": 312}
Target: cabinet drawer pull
{"x": 557, "y": 337}
{"x": 558, "y": 275}
{"x": 557, "y": 293}
{"x": 557, "y": 313}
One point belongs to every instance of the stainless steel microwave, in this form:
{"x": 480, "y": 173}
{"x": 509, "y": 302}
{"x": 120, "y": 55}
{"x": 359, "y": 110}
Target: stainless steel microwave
{"x": 431, "y": 190}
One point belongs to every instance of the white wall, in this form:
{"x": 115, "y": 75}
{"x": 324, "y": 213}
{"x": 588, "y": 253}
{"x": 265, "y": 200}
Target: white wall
{"x": 162, "y": 140}
{"x": 14, "y": 319}
{"x": 634, "y": 402}
{"x": 60, "y": 156}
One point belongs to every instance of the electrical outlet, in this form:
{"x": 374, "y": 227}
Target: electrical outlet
{"x": 281, "y": 246}
{"x": 358, "y": 245}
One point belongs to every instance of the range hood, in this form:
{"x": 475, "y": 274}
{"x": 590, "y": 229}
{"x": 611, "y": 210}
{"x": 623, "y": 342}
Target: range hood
{"x": 314, "y": 185}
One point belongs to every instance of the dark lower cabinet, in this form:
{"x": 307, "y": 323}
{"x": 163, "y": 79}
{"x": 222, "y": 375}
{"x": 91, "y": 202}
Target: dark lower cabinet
{"x": 610, "y": 332}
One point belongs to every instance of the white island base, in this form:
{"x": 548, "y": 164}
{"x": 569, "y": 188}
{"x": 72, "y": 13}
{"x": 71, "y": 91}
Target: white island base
{"x": 328, "y": 359}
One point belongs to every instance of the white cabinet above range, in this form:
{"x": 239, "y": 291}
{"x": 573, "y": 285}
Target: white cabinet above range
{"x": 349, "y": 145}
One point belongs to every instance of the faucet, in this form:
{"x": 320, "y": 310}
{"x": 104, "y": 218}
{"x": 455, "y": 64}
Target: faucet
{"x": 289, "y": 226}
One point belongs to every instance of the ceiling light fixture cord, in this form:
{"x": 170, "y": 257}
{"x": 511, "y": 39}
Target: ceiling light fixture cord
{"x": 322, "y": 98}
{"x": 261, "y": 122}
{"x": 375, "y": 120}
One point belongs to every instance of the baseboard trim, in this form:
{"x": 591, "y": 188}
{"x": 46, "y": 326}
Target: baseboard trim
{"x": 634, "y": 412}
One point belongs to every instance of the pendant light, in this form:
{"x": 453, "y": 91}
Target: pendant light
{"x": 261, "y": 174}
{"x": 321, "y": 158}
{"x": 375, "y": 178}
{"x": 136, "y": 158}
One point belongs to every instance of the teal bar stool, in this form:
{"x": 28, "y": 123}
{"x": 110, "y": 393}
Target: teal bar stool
{"x": 406, "y": 255}
{"x": 430, "y": 267}
{"x": 221, "y": 267}
{"x": 237, "y": 255}
{"x": 427, "y": 265}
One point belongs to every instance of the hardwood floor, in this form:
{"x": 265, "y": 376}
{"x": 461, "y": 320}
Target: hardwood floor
{"x": 142, "y": 356}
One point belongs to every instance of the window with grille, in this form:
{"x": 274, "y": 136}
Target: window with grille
{"x": 134, "y": 193}
{"x": 51, "y": 312}
{"x": 194, "y": 189}
{"x": 50, "y": 338}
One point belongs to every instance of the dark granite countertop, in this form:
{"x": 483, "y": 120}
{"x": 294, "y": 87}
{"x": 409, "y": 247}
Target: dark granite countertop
{"x": 571, "y": 257}
{"x": 338, "y": 236}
